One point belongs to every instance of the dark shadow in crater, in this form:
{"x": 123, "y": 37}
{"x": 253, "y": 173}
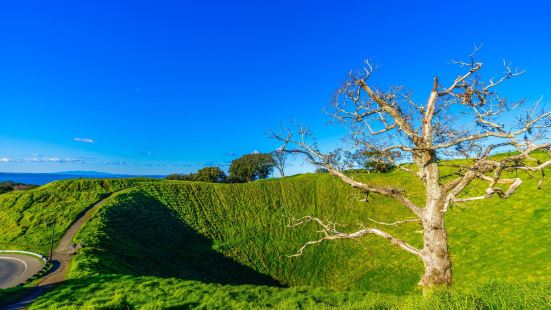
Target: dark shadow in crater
{"x": 144, "y": 237}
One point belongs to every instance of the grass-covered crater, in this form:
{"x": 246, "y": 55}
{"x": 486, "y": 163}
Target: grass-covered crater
{"x": 174, "y": 243}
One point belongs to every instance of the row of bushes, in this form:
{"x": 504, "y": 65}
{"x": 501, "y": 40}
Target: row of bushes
{"x": 256, "y": 166}
{"x": 247, "y": 168}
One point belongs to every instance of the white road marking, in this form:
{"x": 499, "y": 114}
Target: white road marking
{"x": 21, "y": 261}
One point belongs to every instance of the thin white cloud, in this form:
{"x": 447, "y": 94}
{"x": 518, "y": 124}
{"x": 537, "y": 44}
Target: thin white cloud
{"x": 187, "y": 165}
{"x": 36, "y": 158}
{"x": 42, "y": 159}
{"x": 113, "y": 163}
{"x": 84, "y": 140}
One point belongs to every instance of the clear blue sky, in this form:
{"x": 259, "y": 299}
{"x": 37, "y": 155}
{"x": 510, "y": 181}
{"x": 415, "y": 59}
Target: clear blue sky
{"x": 153, "y": 87}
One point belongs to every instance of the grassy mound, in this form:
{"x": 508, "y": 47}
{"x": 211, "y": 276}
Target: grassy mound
{"x": 186, "y": 244}
{"x": 136, "y": 234}
{"x": 152, "y": 226}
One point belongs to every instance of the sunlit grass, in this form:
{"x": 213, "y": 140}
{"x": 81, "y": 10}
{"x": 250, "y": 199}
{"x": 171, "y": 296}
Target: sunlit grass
{"x": 126, "y": 292}
{"x": 190, "y": 244}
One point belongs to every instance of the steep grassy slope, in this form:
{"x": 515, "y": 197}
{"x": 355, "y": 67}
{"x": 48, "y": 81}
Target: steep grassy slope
{"x": 27, "y": 217}
{"x": 132, "y": 244}
{"x": 490, "y": 240}
{"x": 247, "y": 223}
{"x": 135, "y": 234}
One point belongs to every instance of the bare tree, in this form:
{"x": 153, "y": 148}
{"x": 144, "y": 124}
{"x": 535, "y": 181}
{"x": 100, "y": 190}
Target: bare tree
{"x": 280, "y": 157}
{"x": 466, "y": 119}
{"x": 341, "y": 159}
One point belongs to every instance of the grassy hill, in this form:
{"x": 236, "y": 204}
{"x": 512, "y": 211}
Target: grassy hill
{"x": 27, "y": 218}
{"x": 188, "y": 244}
{"x": 246, "y": 223}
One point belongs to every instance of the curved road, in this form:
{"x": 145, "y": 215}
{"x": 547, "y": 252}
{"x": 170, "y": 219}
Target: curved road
{"x": 17, "y": 268}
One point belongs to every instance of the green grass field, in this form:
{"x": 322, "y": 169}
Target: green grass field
{"x": 196, "y": 245}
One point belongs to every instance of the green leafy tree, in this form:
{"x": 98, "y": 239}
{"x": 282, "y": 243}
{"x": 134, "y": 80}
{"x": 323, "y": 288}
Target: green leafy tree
{"x": 251, "y": 167}
{"x": 207, "y": 174}
{"x": 211, "y": 174}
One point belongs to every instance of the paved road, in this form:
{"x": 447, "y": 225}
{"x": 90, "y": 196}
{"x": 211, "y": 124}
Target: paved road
{"x": 17, "y": 268}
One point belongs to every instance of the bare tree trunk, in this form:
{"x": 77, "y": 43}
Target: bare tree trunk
{"x": 435, "y": 255}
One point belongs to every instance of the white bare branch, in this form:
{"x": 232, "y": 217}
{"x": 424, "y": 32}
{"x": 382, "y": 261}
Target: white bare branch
{"x": 318, "y": 159}
{"x": 508, "y": 74}
{"x": 460, "y": 79}
{"x": 491, "y": 191}
{"x": 331, "y": 233}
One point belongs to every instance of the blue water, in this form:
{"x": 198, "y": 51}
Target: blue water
{"x": 43, "y": 178}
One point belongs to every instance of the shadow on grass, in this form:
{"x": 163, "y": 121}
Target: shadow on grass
{"x": 10, "y": 295}
{"x": 140, "y": 236}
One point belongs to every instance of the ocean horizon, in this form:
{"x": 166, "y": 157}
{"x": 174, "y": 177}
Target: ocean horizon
{"x": 45, "y": 178}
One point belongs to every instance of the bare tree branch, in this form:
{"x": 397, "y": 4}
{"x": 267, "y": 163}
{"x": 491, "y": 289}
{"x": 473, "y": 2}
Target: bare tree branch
{"x": 331, "y": 233}
{"x": 318, "y": 159}
{"x": 460, "y": 79}
{"x": 490, "y": 191}
{"x": 392, "y": 110}
{"x": 509, "y": 74}
{"x": 499, "y": 133}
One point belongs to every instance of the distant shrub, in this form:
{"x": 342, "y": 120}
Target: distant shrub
{"x": 374, "y": 162}
{"x": 8, "y": 186}
{"x": 251, "y": 167}
{"x": 181, "y": 177}
{"x": 5, "y": 189}
{"x": 378, "y": 166}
